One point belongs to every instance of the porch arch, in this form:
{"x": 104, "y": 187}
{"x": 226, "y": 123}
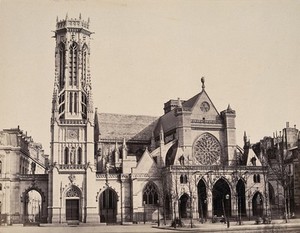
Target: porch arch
{"x": 221, "y": 205}
{"x": 108, "y": 206}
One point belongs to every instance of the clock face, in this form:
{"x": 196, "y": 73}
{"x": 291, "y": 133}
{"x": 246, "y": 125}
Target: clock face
{"x": 204, "y": 106}
{"x": 72, "y": 134}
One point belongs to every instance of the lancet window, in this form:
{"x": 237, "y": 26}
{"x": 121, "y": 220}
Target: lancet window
{"x": 73, "y": 64}
{"x": 150, "y": 195}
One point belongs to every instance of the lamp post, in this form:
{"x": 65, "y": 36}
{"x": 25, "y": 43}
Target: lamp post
{"x": 227, "y": 199}
{"x": 144, "y": 212}
{"x": 0, "y": 213}
{"x": 179, "y": 208}
{"x": 158, "y": 222}
{"x": 205, "y": 208}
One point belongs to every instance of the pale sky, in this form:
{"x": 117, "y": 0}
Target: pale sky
{"x": 144, "y": 53}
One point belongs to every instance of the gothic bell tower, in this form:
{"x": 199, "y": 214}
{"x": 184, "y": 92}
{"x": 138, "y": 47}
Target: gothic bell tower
{"x": 72, "y": 166}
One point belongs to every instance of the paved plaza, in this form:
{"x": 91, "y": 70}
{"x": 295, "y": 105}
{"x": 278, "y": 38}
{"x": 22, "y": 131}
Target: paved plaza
{"x": 246, "y": 227}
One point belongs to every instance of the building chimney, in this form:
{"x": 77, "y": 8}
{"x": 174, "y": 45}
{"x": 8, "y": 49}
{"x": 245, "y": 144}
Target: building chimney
{"x": 287, "y": 124}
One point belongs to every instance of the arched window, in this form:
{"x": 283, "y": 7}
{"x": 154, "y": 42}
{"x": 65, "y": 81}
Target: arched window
{"x": 0, "y": 187}
{"x": 0, "y": 167}
{"x": 150, "y": 195}
{"x": 71, "y": 103}
{"x": 256, "y": 178}
{"x": 73, "y": 64}
{"x": 183, "y": 179}
{"x": 79, "y": 156}
{"x": 75, "y": 102}
{"x": 66, "y": 155}
{"x": 181, "y": 160}
{"x": 253, "y": 161}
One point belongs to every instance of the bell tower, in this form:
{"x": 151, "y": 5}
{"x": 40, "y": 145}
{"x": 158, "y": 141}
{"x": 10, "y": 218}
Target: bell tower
{"x": 72, "y": 164}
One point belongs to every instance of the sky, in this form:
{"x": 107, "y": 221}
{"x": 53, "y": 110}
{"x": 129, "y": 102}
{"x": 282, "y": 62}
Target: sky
{"x": 144, "y": 53}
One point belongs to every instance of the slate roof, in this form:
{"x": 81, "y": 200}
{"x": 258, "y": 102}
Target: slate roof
{"x": 131, "y": 127}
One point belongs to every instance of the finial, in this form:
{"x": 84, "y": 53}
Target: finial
{"x": 56, "y": 19}
{"x": 79, "y": 15}
{"x": 179, "y": 103}
{"x": 245, "y": 137}
{"x": 203, "y": 81}
{"x": 229, "y": 107}
{"x": 67, "y": 16}
{"x": 88, "y": 19}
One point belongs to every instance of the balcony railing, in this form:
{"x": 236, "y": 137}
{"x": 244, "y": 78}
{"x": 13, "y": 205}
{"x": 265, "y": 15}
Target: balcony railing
{"x": 72, "y": 166}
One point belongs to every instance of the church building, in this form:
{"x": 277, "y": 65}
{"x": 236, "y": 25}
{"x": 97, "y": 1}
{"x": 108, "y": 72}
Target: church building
{"x": 115, "y": 168}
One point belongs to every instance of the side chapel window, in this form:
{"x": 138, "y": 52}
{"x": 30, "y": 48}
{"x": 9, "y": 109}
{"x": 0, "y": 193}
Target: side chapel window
{"x": 150, "y": 195}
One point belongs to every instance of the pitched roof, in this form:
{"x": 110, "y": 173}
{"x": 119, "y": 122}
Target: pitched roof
{"x": 130, "y": 127}
{"x": 191, "y": 102}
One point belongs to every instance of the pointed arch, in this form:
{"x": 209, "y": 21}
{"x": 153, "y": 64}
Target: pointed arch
{"x": 184, "y": 205}
{"x": 0, "y": 166}
{"x": 202, "y": 199}
{"x": 220, "y": 192}
{"x": 150, "y": 194}
{"x": 73, "y": 203}
{"x": 108, "y": 200}
{"x": 73, "y": 64}
{"x": 257, "y": 204}
{"x": 241, "y": 196}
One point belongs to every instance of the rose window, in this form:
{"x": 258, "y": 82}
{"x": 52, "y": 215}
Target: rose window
{"x": 207, "y": 150}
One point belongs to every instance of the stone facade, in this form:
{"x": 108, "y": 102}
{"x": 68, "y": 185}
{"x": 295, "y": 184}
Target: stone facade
{"x": 116, "y": 168}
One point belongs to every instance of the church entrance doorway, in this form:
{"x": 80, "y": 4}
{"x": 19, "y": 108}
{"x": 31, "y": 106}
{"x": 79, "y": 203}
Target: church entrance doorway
{"x": 240, "y": 190}
{"x": 202, "y": 200}
{"x": 108, "y": 206}
{"x": 257, "y": 204}
{"x": 72, "y": 209}
{"x": 73, "y": 204}
{"x": 183, "y": 206}
{"x": 221, "y": 198}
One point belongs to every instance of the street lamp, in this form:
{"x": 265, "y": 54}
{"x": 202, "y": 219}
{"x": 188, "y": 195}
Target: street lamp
{"x": 0, "y": 213}
{"x": 144, "y": 212}
{"x": 205, "y": 208}
{"x": 158, "y": 222}
{"x": 227, "y": 199}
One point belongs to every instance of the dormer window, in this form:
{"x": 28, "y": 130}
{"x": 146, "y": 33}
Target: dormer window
{"x": 253, "y": 161}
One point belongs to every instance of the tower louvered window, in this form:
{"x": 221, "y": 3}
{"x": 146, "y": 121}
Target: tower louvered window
{"x": 62, "y": 58}
{"x": 73, "y": 64}
{"x": 84, "y": 65}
